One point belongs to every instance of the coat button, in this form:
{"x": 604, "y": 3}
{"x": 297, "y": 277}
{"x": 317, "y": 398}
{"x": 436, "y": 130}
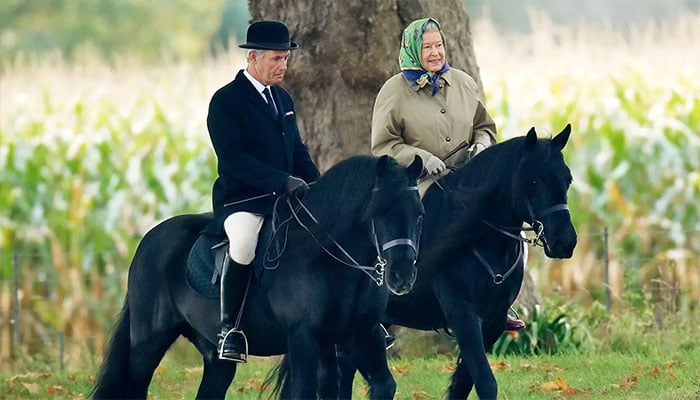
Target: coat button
{"x": 447, "y": 139}
{"x": 443, "y": 111}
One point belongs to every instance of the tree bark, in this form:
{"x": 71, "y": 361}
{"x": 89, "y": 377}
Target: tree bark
{"x": 348, "y": 49}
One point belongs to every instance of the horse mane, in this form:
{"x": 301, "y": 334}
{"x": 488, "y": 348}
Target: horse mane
{"x": 478, "y": 191}
{"x": 341, "y": 199}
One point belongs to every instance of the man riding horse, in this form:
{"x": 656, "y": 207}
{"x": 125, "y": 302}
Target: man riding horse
{"x": 260, "y": 155}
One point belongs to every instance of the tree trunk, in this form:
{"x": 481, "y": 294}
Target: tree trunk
{"x": 347, "y": 50}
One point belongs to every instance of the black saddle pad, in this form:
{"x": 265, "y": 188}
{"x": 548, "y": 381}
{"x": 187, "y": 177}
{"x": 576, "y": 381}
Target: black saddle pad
{"x": 204, "y": 266}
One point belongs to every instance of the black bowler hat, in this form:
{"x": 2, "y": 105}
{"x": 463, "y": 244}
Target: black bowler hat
{"x": 268, "y": 35}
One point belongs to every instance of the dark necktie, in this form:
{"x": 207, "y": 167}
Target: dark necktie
{"x": 270, "y": 102}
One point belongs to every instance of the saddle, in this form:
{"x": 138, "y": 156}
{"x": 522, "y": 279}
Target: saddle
{"x": 206, "y": 258}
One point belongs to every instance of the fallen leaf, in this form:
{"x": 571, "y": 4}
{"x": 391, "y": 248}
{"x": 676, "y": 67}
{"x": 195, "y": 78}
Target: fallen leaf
{"x": 526, "y": 366}
{"x": 401, "y": 369}
{"x": 499, "y": 365}
{"x": 160, "y": 369}
{"x": 628, "y": 383}
{"x": 671, "y": 376}
{"x": 254, "y": 384}
{"x": 558, "y": 384}
{"x": 54, "y": 390}
{"x": 420, "y": 395}
{"x": 32, "y": 388}
{"x": 449, "y": 368}
{"x": 194, "y": 371}
{"x": 655, "y": 372}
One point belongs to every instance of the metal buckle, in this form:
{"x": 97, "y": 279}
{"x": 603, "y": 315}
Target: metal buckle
{"x": 379, "y": 268}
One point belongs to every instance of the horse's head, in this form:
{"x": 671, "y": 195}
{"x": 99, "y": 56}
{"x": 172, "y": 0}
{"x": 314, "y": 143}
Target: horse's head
{"x": 396, "y": 213}
{"x": 543, "y": 180}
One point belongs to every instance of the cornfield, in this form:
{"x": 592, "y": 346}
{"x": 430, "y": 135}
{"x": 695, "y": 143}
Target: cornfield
{"x": 93, "y": 155}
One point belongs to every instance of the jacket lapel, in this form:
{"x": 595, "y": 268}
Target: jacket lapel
{"x": 256, "y": 98}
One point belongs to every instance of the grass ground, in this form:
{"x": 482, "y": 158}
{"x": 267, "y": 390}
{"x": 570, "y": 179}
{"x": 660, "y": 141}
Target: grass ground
{"x": 611, "y": 375}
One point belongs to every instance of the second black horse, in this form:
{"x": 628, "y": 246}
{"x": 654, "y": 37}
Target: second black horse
{"x": 470, "y": 267}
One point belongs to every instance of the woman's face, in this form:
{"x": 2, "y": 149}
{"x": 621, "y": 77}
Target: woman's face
{"x": 432, "y": 53}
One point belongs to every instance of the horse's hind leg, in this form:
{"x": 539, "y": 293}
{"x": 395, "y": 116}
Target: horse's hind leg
{"x": 367, "y": 351}
{"x": 144, "y": 358}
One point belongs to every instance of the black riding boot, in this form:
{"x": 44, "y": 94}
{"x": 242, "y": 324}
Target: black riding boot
{"x": 233, "y": 344}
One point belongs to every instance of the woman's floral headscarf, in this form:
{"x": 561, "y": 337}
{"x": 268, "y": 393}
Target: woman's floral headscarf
{"x": 409, "y": 55}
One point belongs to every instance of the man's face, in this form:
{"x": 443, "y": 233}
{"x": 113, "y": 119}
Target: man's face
{"x": 269, "y": 66}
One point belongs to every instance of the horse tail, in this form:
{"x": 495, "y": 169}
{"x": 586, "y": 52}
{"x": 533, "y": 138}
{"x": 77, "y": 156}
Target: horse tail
{"x": 113, "y": 376}
{"x": 279, "y": 374}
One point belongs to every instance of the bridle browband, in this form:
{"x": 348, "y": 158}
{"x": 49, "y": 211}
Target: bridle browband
{"x": 375, "y": 272}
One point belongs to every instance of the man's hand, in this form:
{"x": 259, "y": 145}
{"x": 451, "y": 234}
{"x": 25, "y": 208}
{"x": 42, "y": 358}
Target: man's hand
{"x": 296, "y": 186}
{"x": 434, "y": 166}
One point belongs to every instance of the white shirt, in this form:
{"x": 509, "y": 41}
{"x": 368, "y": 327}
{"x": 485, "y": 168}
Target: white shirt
{"x": 258, "y": 86}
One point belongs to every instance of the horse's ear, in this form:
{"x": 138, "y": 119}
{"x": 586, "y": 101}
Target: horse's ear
{"x": 414, "y": 170}
{"x": 382, "y": 164}
{"x": 562, "y": 137}
{"x": 531, "y": 138}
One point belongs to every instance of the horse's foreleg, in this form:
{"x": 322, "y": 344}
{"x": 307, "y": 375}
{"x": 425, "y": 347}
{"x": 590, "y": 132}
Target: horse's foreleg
{"x": 303, "y": 355}
{"x": 217, "y": 374}
{"x": 461, "y": 384}
{"x": 328, "y": 374}
{"x": 346, "y": 371}
{"x": 367, "y": 351}
{"x": 473, "y": 367}
{"x": 216, "y": 379}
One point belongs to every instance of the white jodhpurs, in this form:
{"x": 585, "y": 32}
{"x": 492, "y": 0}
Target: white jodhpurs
{"x": 242, "y": 229}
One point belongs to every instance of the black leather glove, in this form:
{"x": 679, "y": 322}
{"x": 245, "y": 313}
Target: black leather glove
{"x": 296, "y": 186}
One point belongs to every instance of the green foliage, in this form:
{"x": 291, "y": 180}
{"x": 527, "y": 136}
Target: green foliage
{"x": 549, "y": 330}
{"x": 147, "y": 30}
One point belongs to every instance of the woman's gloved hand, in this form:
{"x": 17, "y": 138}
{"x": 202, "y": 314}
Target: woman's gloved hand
{"x": 434, "y": 166}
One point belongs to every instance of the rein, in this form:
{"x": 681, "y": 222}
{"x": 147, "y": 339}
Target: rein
{"x": 375, "y": 272}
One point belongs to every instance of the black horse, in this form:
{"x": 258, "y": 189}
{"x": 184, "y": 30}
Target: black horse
{"x": 360, "y": 210}
{"x": 471, "y": 265}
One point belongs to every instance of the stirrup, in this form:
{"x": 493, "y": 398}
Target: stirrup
{"x": 233, "y": 341}
{"x": 388, "y": 337}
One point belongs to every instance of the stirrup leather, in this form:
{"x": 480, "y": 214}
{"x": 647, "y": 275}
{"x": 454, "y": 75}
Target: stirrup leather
{"x": 238, "y": 339}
